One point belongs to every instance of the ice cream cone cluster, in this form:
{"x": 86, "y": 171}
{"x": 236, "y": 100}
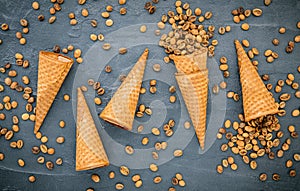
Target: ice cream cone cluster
{"x": 257, "y": 100}
{"x": 192, "y": 79}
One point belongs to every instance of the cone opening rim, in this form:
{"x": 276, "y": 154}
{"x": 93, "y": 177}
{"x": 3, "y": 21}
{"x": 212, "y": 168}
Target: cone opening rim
{"x": 202, "y": 51}
{"x": 114, "y": 122}
{"x": 180, "y": 74}
{"x": 263, "y": 114}
{"x": 60, "y": 57}
{"x": 92, "y": 166}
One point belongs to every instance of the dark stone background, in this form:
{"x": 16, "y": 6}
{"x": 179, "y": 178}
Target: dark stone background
{"x": 198, "y": 170}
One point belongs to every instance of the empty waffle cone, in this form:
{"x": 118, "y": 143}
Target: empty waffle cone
{"x": 90, "y": 152}
{"x": 121, "y": 108}
{"x": 257, "y": 100}
{"x": 191, "y": 63}
{"x": 194, "y": 89}
{"x": 52, "y": 71}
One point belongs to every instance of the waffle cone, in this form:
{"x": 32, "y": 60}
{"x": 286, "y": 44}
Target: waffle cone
{"x": 52, "y": 71}
{"x": 191, "y": 63}
{"x": 121, "y": 108}
{"x": 90, "y": 152}
{"x": 194, "y": 89}
{"x": 257, "y": 100}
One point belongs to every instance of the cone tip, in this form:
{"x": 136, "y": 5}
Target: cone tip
{"x": 145, "y": 54}
{"x": 36, "y": 129}
{"x": 202, "y": 147}
{"x": 37, "y": 126}
{"x": 236, "y": 41}
{"x": 172, "y": 56}
{"x": 79, "y": 91}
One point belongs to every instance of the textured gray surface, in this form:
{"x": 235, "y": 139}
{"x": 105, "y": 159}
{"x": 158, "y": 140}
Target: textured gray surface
{"x": 198, "y": 169}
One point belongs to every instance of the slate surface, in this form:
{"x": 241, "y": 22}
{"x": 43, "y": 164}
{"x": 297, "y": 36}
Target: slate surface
{"x": 197, "y": 167}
